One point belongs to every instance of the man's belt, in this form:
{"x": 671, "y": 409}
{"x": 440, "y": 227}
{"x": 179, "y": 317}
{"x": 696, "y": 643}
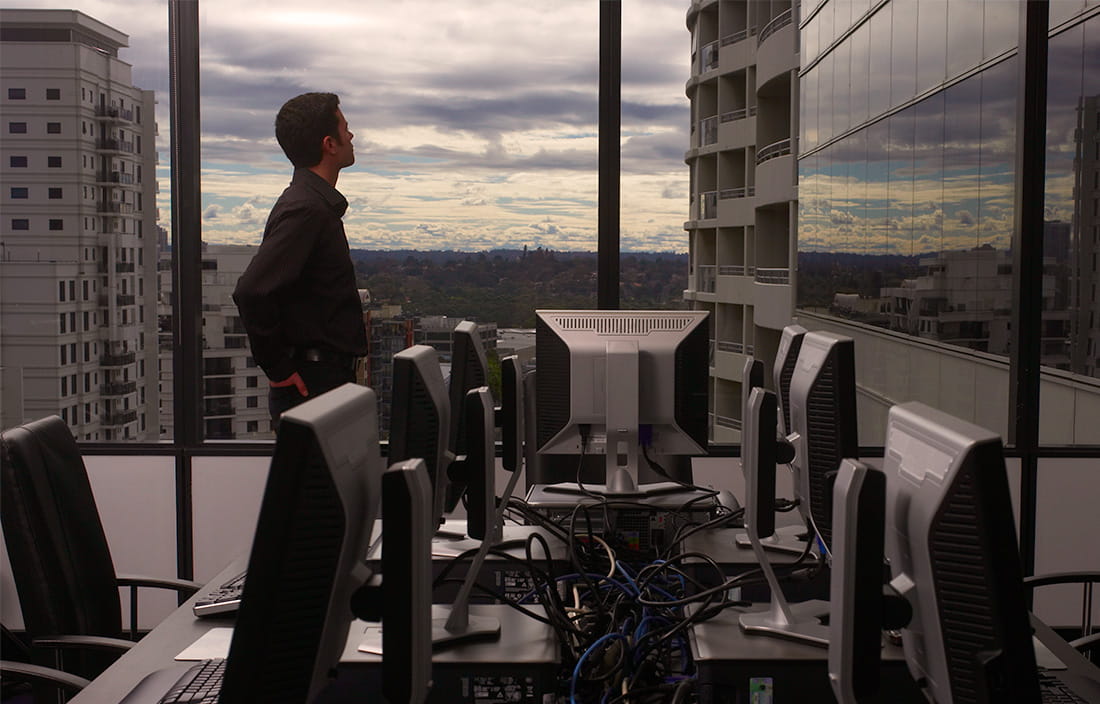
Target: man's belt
{"x": 319, "y": 354}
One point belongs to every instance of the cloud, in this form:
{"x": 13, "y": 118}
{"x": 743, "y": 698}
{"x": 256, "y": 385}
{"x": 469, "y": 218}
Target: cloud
{"x": 211, "y": 212}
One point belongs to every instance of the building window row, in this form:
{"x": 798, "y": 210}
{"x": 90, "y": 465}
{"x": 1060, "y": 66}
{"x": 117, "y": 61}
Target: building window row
{"x": 21, "y": 94}
{"x": 24, "y": 224}
{"x": 21, "y": 127}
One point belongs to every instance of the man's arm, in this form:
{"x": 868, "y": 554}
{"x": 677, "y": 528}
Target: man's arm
{"x": 260, "y": 290}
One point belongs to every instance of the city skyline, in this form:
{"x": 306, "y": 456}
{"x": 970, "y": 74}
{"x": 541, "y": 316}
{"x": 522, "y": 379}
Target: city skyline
{"x": 475, "y": 126}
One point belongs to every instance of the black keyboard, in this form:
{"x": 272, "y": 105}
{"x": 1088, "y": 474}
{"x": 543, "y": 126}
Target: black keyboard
{"x": 225, "y": 599}
{"x": 1055, "y": 691}
{"x": 199, "y": 685}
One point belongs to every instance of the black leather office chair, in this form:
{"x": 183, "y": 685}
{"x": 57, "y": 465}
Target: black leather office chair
{"x": 1089, "y": 638}
{"x": 61, "y": 565}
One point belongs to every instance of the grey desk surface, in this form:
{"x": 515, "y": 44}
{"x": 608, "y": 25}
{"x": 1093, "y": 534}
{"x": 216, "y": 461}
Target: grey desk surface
{"x": 157, "y": 649}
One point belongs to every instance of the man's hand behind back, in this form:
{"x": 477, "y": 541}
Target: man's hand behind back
{"x": 293, "y": 380}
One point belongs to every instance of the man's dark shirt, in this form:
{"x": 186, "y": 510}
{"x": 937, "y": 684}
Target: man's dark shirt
{"x": 299, "y": 290}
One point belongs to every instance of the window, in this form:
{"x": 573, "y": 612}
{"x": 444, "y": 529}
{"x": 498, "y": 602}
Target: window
{"x": 64, "y": 386}
{"x": 17, "y": 93}
{"x": 17, "y": 127}
{"x": 19, "y": 193}
{"x": 252, "y": 402}
{"x": 55, "y": 193}
{"x": 20, "y": 224}
{"x": 61, "y": 291}
{"x": 56, "y": 224}
{"x": 53, "y": 162}
{"x": 17, "y": 162}
{"x": 53, "y": 128}
{"x": 53, "y": 94}
{"x": 61, "y": 323}
{"x": 64, "y": 355}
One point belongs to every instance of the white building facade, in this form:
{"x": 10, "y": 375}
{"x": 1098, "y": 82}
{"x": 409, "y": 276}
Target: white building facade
{"x": 78, "y": 230}
{"x": 742, "y": 222}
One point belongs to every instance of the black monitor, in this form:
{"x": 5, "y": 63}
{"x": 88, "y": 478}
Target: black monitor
{"x": 790, "y": 344}
{"x": 420, "y": 418}
{"x": 469, "y": 370}
{"x": 951, "y": 543}
{"x": 306, "y": 561}
{"x": 761, "y": 449}
{"x": 622, "y": 384}
{"x": 823, "y": 423}
{"x": 752, "y": 377}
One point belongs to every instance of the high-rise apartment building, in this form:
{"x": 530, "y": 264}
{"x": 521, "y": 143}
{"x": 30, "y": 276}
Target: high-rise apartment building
{"x": 741, "y": 227}
{"x": 78, "y": 231}
{"x": 235, "y": 389}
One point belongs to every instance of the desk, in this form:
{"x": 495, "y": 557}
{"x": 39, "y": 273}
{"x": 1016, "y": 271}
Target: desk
{"x": 726, "y": 659}
{"x": 500, "y": 575}
{"x": 157, "y": 649}
{"x": 526, "y": 652}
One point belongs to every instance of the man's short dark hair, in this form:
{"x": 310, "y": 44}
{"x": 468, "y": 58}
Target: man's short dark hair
{"x": 302, "y": 124}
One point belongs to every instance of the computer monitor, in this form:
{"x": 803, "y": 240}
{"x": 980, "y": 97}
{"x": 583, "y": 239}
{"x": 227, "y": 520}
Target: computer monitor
{"x": 306, "y": 561}
{"x": 469, "y": 370}
{"x": 951, "y": 543}
{"x": 613, "y": 382}
{"x": 790, "y": 344}
{"x": 752, "y": 377}
{"x": 512, "y": 426}
{"x": 760, "y": 451}
{"x": 823, "y": 423}
{"x": 420, "y": 418}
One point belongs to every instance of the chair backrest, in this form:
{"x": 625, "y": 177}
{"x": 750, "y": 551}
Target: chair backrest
{"x": 59, "y": 557}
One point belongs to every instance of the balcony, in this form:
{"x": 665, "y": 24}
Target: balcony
{"x": 736, "y": 270}
{"x": 735, "y": 115}
{"x": 773, "y": 150}
{"x": 727, "y": 422}
{"x": 120, "y": 417}
{"x": 114, "y": 145}
{"x": 709, "y": 57}
{"x": 778, "y": 22}
{"x": 119, "y": 177}
{"x": 706, "y": 278}
{"x": 743, "y": 192}
{"x": 708, "y": 205}
{"x": 125, "y": 299}
{"x": 727, "y": 346}
{"x": 124, "y": 267}
{"x": 773, "y": 276}
{"x": 736, "y": 37}
{"x": 117, "y": 360}
{"x": 114, "y": 112}
{"x": 114, "y": 207}
{"x": 118, "y": 388}
{"x": 708, "y": 131}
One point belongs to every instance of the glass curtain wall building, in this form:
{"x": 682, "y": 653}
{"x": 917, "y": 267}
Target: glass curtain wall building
{"x": 741, "y": 226}
{"x": 906, "y": 210}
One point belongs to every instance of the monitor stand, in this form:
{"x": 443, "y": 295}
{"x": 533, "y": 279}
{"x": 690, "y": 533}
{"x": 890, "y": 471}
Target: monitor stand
{"x": 800, "y": 621}
{"x": 789, "y": 540}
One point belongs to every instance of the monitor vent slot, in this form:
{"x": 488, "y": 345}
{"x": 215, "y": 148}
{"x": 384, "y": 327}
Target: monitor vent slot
{"x": 627, "y": 323}
{"x": 961, "y": 575}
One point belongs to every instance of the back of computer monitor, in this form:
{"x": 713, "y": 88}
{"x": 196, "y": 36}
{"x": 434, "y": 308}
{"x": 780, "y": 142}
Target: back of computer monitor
{"x": 306, "y": 560}
{"x": 790, "y": 344}
{"x": 420, "y": 418}
{"x": 469, "y": 370}
{"x": 758, "y": 462}
{"x": 824, "y": 422}
{"x": 951, "y": 544}
{"x": 406, "y": 583}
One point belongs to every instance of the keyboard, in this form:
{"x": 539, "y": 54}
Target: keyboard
{"x": 1055, "y": 691}
{"x": 223, "y": 600}
{"x": 201, "y": 684}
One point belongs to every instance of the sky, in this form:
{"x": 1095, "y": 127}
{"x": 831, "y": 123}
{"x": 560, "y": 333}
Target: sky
{"x": 475, "y": 121}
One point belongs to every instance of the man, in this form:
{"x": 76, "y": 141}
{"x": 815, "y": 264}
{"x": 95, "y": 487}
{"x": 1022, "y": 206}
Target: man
{"x": 297, "y": 298}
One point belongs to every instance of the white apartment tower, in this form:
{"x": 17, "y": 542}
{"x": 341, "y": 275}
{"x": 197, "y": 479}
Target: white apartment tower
{"x": 78, "y": 232}
{"x": 742, "y": 158}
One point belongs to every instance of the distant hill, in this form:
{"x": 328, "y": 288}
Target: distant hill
{"x": 506, "y": 286}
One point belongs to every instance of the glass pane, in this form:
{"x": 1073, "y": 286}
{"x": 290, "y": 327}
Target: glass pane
{"x": 79, "y": 281}
{"x": 964, "y": 24}
{"x": 861, "y": 71}
{"x": 880, "y": 48}
{"x": 931, "y": 44}
{"x": 903, "y": 55}
{"x": 1002, "y": 20}
{"x": 1071, "y": 321}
